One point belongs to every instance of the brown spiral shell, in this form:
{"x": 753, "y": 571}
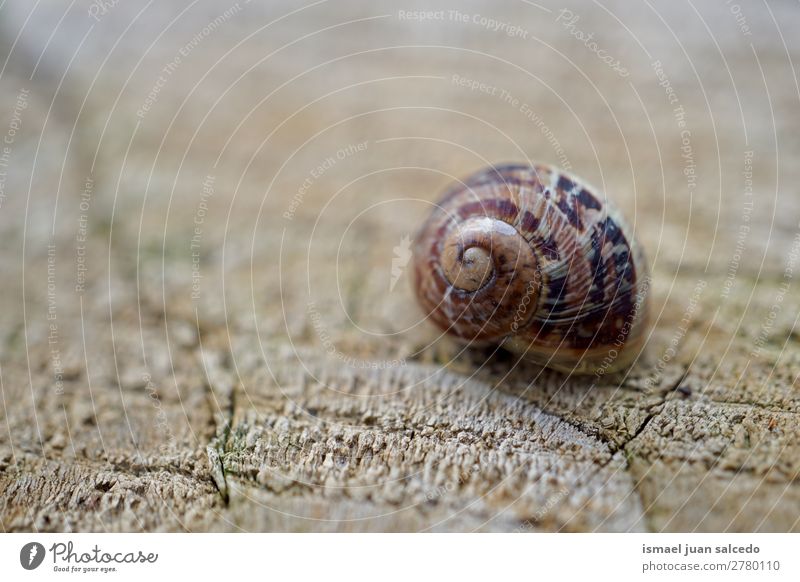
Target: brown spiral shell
{"x": 532, "y": 258}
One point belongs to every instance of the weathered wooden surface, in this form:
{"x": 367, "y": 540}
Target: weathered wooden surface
{"x": 132, "y": 404}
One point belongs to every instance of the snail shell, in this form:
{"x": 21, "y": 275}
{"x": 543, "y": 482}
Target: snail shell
{"x": 534, "y": 259}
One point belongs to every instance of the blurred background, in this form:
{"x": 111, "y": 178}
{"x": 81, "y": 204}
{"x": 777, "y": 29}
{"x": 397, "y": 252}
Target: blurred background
{"x": 201, "y": 204}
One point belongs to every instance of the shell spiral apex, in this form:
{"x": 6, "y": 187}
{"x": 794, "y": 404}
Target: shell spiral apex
{"x": 534, "y": 259}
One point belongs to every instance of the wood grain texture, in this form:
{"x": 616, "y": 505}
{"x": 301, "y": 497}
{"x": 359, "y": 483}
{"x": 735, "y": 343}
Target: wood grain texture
{"x": 199, "y": 330}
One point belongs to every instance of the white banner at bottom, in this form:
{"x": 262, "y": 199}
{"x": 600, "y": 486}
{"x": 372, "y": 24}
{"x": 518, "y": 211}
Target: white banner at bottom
{"x": 355, "y": 557}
